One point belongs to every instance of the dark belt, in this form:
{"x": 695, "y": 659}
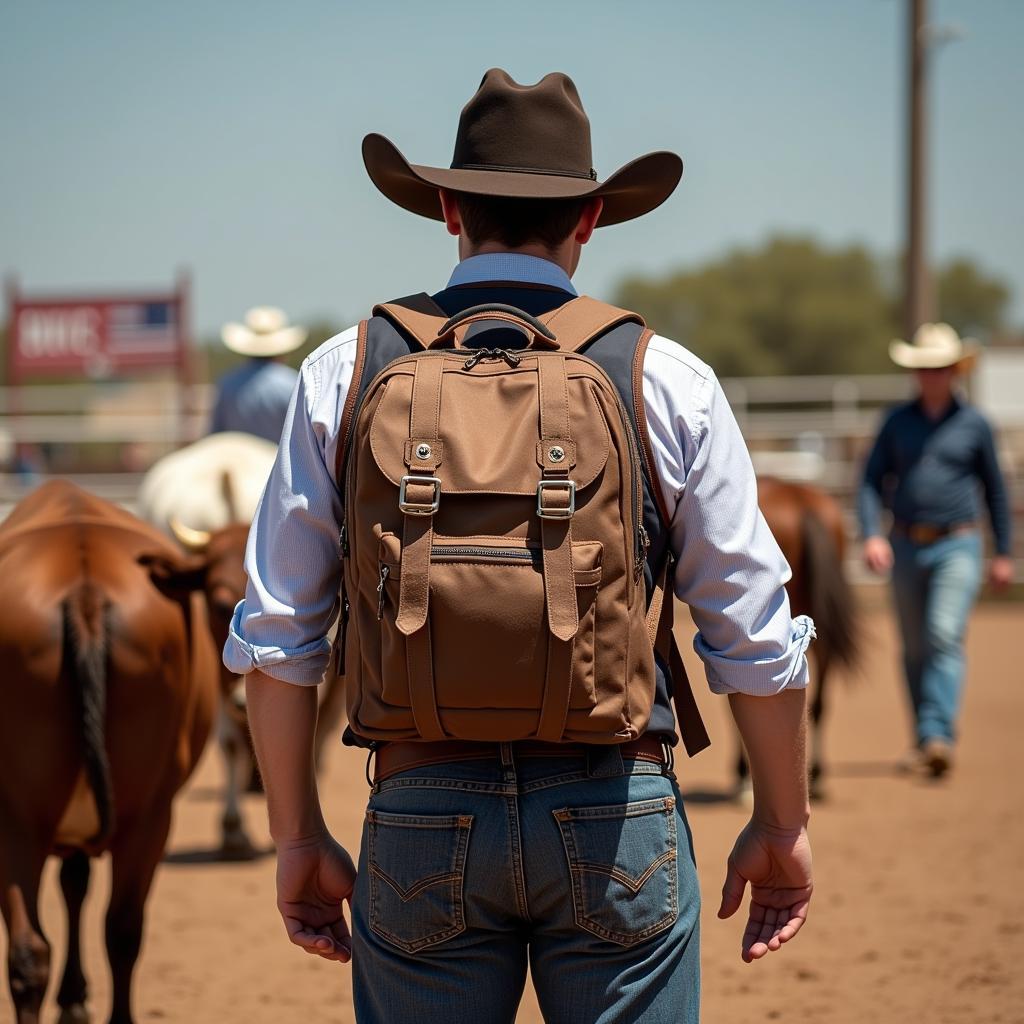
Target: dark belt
{"x": 929, "y": 533}
{"x": 400, "y": 756}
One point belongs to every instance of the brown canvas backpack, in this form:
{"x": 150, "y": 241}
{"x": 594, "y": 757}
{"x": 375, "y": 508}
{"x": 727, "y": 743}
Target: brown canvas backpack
{"x": 494, "y": 542}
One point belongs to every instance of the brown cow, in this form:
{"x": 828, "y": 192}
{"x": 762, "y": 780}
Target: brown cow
{"x": 106, "y": 702}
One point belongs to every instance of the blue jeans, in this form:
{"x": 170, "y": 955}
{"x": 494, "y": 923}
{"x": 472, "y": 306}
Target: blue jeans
{"x": 935, "y": 586}
{"x": 582, "y": 867}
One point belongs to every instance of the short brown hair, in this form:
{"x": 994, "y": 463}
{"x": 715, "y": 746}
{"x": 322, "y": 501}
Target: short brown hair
{"x": 515, "y": 222}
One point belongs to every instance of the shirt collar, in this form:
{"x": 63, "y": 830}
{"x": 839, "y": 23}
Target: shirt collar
{"x": 511, "y": 266}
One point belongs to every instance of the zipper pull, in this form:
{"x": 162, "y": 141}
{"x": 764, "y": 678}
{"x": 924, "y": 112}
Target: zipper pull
{"x": 491, "y": 353}
{"x": 385, "y": 571}
{"x": 641, "y": 555}
{"x": 343, "y": 540}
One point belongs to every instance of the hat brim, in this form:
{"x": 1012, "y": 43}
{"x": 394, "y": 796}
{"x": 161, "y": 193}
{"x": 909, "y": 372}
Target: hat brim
{"x": 637, "y": 188}
{"x": 247, "y": 342}
{"x": 913, "y": 357}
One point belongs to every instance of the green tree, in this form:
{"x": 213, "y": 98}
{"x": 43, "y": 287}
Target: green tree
{"x": 796, "y": 306}
{"x": 973, "y": 303}
{"x": 788, "y": 307}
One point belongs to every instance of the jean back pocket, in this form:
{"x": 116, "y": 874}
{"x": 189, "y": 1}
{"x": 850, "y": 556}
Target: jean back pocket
{"x": 622, "y": 861}
{"x": 417, "y": 865}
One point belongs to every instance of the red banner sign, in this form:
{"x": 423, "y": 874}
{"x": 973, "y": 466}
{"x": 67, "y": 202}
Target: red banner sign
{"x": 96, "y": 337}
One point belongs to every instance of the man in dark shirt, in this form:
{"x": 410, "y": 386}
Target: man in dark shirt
{"x": 926, "y": 464}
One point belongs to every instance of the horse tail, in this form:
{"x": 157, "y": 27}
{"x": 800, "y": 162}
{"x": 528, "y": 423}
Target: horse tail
{"x": 86, "y": 620}
{"x": 832, "y": 603}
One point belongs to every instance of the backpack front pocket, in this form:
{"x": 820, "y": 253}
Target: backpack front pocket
{"x": 488, "y": 623}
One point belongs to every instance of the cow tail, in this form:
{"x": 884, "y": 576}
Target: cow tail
{"x": 86, "y": 615}
{"x": 833, "y": 606}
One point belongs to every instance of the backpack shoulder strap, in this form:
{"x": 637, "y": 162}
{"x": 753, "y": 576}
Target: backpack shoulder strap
{"x": 642, "y": 431}
{"x": 348, "y": 410}
{"x": 418, "y": 315}
{"x": 396, "y": 328}
{"x": 660, "y": 615}
{"x": 576, "y": 323}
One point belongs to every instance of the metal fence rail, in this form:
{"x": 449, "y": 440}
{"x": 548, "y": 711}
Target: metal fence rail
{"x": 812, "y": 428}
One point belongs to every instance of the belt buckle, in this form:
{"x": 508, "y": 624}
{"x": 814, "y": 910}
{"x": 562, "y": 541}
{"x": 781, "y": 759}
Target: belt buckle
{"x": 923, "y": 533}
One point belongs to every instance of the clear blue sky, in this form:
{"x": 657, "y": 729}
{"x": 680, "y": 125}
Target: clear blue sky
{"x": 136, "y": 138}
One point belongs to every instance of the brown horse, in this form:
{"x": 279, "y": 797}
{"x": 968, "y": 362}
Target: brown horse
{"x": 808, "y": 525}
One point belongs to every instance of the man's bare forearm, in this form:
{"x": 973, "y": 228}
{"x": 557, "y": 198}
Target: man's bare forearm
{"x": 282, "y": 719}
{"x": 774, "y": 731}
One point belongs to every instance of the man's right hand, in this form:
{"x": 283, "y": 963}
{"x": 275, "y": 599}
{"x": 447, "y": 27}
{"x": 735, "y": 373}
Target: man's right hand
{"x": 878, "y": 555}
{"x": 777, "y": 864}
{"x": 315, "y": 876}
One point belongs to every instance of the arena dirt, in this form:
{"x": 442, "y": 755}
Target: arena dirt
{"x": 918, "y": 913}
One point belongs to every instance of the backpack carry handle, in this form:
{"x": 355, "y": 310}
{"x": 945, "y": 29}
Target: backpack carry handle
{"x": 541, "y": 336}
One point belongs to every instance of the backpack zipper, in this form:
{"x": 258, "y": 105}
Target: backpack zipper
{"x": 443, "y": 552}
{"x": 512, "y": 358}
{"x": 385, "y": 572}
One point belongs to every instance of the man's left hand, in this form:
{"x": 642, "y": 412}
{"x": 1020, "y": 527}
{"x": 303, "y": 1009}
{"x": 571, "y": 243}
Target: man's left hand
{"x": 1000, "y": 572}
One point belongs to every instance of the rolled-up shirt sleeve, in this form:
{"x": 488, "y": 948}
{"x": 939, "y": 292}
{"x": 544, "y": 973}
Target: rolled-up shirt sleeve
{"x": 729, "y": 568}
{"x": 293, "y": 556}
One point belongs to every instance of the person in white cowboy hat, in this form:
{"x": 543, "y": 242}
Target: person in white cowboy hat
{"x": 926, "y": 464}
{"x": 254, "y": 397}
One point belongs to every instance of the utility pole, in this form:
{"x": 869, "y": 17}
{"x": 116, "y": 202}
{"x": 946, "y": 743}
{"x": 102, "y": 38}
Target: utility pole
{"x": 918, "y": 302}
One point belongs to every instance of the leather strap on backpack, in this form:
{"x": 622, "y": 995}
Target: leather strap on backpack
{"x": 643, "y": 434}
{"x": 411, "y": 315}
{"x": 556, "y": 493}
{"x": 420, "y": 495}
{"x": 582, "y": 319}
{"x": 660, "y": 615}
{"x": 418, "y": 315}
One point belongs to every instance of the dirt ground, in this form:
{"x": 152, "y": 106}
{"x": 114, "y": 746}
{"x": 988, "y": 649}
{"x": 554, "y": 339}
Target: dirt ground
{"x": 918, "y": 913}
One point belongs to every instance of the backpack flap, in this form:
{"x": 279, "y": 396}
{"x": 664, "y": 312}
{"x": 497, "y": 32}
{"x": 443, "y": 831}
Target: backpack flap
{"x": 512, "y": 465}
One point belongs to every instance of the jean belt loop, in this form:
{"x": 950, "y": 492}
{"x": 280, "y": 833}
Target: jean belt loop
{"x": 505, "y": 750}
{"x": 670, "y": 758}
{"x": 605, "y": 762}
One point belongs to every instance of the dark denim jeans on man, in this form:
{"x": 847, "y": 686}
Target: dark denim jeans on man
{"x": 582, "y": 867}
{"x": 935, "y": 586}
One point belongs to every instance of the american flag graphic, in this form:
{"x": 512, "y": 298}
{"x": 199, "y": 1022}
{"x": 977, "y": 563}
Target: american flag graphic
{"x": 142, "y": 327}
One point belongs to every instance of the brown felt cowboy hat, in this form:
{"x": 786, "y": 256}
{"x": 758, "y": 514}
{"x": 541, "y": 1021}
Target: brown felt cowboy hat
{"x": 527, "y": 142}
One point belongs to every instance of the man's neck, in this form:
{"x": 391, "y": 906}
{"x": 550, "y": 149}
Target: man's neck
{"x": 936, "y": 408}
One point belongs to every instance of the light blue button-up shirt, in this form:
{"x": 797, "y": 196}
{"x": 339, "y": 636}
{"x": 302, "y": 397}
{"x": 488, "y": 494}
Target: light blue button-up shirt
{"x": 729, "y": 569}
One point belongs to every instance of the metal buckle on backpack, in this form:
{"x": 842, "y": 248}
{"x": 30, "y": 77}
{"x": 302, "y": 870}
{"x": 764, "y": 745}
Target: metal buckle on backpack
{"x": 413, "y": 508}
{"x": 549, "y": 512}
